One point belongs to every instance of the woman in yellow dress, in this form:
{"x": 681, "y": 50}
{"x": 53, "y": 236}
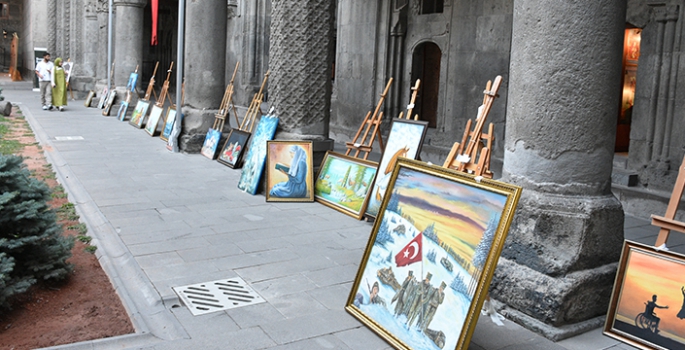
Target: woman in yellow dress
{"x": 59, "y": 85}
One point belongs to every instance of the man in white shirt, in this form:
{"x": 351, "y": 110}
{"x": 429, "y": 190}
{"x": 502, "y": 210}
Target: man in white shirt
{"x": 44, "y": 72}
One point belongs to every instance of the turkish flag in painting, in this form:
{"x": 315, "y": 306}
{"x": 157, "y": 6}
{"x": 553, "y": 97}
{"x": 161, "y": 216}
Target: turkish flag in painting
{"x": 411, "y": 253}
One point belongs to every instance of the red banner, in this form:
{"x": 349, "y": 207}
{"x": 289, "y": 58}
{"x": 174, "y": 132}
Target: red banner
{"x": 155, "y": 9}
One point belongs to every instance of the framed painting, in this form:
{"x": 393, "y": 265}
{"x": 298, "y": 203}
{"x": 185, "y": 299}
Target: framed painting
{"x": 153, "y": 120}
{"x": 168, "y": 124}
{"x": 289, "y": 173}
{"x": 109, "y": 103}
{"x": 89, "y": 98}
{"x": 211, "y": 143}
{"x": 253, "y": 167}
{"x": 343, "y": 183}
{"x": 234, "y": 148}
{"x": 103, "y": 98}
{"x": 68, "y": 68}
{"x": 647, "y": 308}
{"x": 138, "y": 115}
{"x": 121, "y": 114}
{"x": 404, "y": 140}
{"x": 433, "y": 250}
{"x": 132, "y": 82}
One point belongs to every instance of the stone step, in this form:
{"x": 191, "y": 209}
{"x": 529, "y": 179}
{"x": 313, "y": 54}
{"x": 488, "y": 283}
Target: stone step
{"x": 624, "y": 177}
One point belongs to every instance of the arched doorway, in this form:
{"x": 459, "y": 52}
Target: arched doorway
{"x": 426, "y": 66}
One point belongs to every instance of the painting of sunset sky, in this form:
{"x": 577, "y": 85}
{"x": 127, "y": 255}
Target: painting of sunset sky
{"x": 649, "y": 273}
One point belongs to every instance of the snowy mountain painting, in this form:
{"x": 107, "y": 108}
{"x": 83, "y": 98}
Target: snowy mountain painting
{"x": 431, "y": 239}
{"x": 404, "y": 140}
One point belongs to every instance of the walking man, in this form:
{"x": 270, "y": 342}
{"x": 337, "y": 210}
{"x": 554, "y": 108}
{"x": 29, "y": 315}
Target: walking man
{"x": 44, "y": 73}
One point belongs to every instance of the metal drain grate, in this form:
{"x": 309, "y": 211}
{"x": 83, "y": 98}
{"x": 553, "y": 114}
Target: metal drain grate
{"x": 203, "y": 298}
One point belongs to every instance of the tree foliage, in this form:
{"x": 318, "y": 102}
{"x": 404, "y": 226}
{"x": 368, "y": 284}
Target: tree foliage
{"x": 32, "y": 248}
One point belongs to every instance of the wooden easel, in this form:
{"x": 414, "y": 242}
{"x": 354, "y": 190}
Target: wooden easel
{"x": 667, "y": 223}
{"x": 226, "y": 102}
{"x": 410, "y": 106}
{"x": 151, "y": 86}
{"x": 463, "y": 155}
{"x": 255, "y": 106}
{"x": 370, "y": 121}
{"x": 164, "y": 93}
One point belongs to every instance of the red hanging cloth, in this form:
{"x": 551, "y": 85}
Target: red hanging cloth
{"x": 155, "y": 7}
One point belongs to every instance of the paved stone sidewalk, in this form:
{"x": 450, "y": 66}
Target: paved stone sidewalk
{"x": 163, "y": 219}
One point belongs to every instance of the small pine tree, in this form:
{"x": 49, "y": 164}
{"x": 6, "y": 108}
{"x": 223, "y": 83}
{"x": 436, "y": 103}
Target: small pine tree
{"x": 394, "y": 203}
{"x": 431, "y": 255}
{"x": 431, "y": 233}
{"x": 384, "y": 236}
{"x": 32, "y": 247}
{"x": 483, "y": 248}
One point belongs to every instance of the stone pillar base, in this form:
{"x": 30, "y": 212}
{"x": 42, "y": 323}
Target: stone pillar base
{"x": 550, "y": 332}
{"x": 196, "y": 122}
{"x": 557, "y": 307}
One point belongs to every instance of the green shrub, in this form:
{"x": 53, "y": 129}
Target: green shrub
{"x": 32, "y": 248}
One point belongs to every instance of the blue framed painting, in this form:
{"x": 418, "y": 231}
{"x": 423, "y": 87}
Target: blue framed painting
{"x": 404, "y": 140}
{"x": 429, "y": 261}
{"x": 168, "y": 124}
{"x": 253, "y": 167}
{"x": 211, "y": 143}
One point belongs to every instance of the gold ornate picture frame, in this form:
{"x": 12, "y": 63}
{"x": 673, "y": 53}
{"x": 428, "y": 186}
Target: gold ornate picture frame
{"x": 431, "y": 256}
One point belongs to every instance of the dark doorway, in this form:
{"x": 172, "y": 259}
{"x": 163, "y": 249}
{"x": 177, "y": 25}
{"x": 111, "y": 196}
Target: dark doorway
{"x": 426, "y": 66}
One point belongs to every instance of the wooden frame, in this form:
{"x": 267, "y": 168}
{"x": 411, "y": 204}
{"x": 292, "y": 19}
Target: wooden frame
{"x": 68, "y": 67}
{"x": 343, "y": 183}
{"x": 109, "y": 103}
{"x": 431, "y": 256}
{"x": 153, "y": 120}
{"x": 645, "y": 272}
{"x": 253, "y": 167}
{"x": 89, "y": 98}
{"x": 289, "y": 171}
{"x": 139, "y": 113}
{"x": 404, "y": 140}
{"x": 234, "y": 148}
{"x": 103, "y": 98}
{"x": 211, "y": 144}
{"x": 168, "y": 123}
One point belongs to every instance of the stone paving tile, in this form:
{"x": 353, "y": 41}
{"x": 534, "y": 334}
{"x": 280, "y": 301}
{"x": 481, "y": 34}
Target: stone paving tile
{"x": 212, "y": 325}
{"x": 255, "y": 315}
{"x": 296, "y": 304}
{"x": 167, "y": 246}
{"x": 305, "y": 327}
{"x": 162, "y": 273}
{"x": 283, "y": 269}
{"x": 258, "y": 245}
{"x": 323, "y": 342}
{"x": 253, "y": 260}
{"x": 593, "y": 339}
{"x": 250, "y": 338}
{"x": 278, "y": 287}
{"x": 333, "y": 276}
{"x": 362, "y": 338}
{"x": 209, "y": 252}
{"x": 159, "y": 260}
{"x": 333, "y": 297}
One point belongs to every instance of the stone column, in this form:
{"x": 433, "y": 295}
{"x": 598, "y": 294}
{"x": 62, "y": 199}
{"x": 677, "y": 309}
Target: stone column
{"x": 90, "y": 34}
{"x": 102, "y": 10}
{"x": 204, "y": 70}
{"x": 557, "y": 269}
{"x": 300, "y": 59}
{"x": 128, "y": 46}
